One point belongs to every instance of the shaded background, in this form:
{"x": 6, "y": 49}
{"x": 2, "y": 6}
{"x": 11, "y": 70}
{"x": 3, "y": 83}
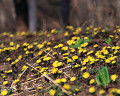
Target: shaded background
{"x": 35, "y": 15}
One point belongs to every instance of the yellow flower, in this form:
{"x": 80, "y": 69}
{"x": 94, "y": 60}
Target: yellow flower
{"x": 48, "y": 49}
{"x": 72, "y": 50}
{"x": 101, "y": 91}
{"x": 111, "y": 36}
{"x": 38, "y": 61}
{"x": 52, "y": 92}
{"x": 113, "y": 62}
{"x": 9, "y": 71}
{"x": 69, "y": 60}
{"x": 70, "y": 42}
{"x": 5, "y": 92}
{"x": 107, "y": 61}
{"x": 86, "y": 75}
{"x": 85, "y": 44}
{"x": 65, "y": 54}
{"x": 118, "y": 91}
{"x": 16, "y": 81}
{"x": 11, "y": 43}
{"x": 103, "y": 30}
{"x": 8, "y": 59}
{"x": 105, "y": 52}
{"x": 83, "y": 68}
{"x": 55, "y": 47}
{"x": 92, "y": 89}
{"x": 60, "y": 71}
{"x": 53, "y": 31}
{"x": 85, "y": 38}
{"x": 55, "y": 64}
{"x": 73, "y": 79}
{"x": 92, "y": 81}
{"x": 29, "y": 79}
{"x": 66, "y": 86}
{"x": 113, "y": 90}
{"x": 47, "y": 58}
{"x": 63, "y": 80}
{"x": 39, "y": 88}
{"x": 54, "y": 53}
{"x": 76, "y": 89}
{"x": 95, "y": 45}
{"x": 66, "y": 34}
{"x": 5, "y": 82}
{"x": 114, "y": 77}
{"x": 40, "y": 53}
{"x": 57, "y": 81}
{"x": 54, "y": 70}
{"x": 24, "y": 67}
{"x": 3, "y": 76}
{"x": 65, "y": 48}
{"x": 27, "y": 52}
{"x": 44, "y": 74}
{"x": 60, "y": 45}
{"x": 75, "y": 57}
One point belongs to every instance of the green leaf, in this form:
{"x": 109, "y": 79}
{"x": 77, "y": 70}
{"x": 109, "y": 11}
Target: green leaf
{"x": 97, "y": 78}
{"x": 73, "y": 46}
{"x": 103, "y": 79}
{"x": 89, "y": 39}
{"x": 9, "y": 91}
{"x": 78, "y": 42}
{"x": 108, "y": 41}
{"x": 107, "y": 74}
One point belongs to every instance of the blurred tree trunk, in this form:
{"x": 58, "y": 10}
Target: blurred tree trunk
{"x": 21, "y": 9}
{"x": 79, "y": 12}
{"x": 2, "y": 15}
{"x": 117, "y": 4}
{"x": 32, "y": 15}
{"x": 12, "y": 9}
{"x": 65, "y": 8}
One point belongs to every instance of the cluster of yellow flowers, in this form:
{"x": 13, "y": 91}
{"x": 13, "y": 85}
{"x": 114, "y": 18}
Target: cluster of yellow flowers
{"x": 52, "y": 56}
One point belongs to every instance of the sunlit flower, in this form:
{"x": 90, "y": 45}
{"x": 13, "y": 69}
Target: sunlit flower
{"x": 39, "y": 88}
{"x": 52, "y": 92}
{"x": 60, "y": 71}
{"x": 3, "y": 93}
{"x": 114, "y": 77}
{"x": 73, "y": 79}
{"x": 60, "y": 45}
{"x": 95, "y": 45}
{"x": 74, "y": 57}
{"x": 63, "y": 80}
{"x": 101, "y": 91}
{"x": 11, "y": 43}
{"x": 66, "y": 34}
{"x": 65, "y": 48}
{"x": 86, "y": 75}
{"x": 92, "y": 89}
{"x": 83, "y": 68}
{"x": 54, "y": 70}
{"x": 16, "y": 81}
{"x": 5, "y": 82}
{"x": 57, "y": 81}
{"x": 38, "y": 61}
{"x": 92, "y": 81}
{"x": 66, "y": 86}
{"x": 24, "y": 67}
{"x": 69, "y": 60}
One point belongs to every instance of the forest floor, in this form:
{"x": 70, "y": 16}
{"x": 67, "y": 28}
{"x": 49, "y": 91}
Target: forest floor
{"x": 71, "y": 62}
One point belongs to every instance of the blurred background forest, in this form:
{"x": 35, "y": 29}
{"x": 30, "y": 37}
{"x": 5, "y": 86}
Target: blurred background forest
{"x": 35, "y": 15}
